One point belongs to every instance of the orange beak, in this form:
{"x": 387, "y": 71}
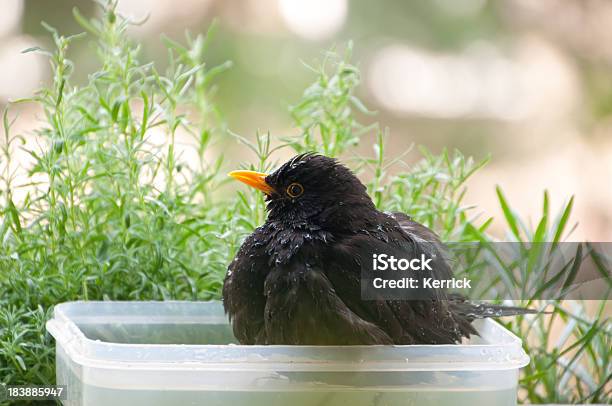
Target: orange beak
{"x": 253, "y": 179}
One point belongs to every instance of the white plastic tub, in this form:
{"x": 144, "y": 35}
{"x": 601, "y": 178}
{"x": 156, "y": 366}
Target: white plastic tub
{"x": 181, "y": 353}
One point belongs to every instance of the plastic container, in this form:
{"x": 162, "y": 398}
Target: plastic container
{"x": 182, "y": 353}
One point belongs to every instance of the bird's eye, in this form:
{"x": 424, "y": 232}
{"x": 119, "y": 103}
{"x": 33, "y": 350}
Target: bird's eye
{"x": 295, "y": 190}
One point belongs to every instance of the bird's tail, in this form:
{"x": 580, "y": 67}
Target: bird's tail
{"x": 472, "y": 310}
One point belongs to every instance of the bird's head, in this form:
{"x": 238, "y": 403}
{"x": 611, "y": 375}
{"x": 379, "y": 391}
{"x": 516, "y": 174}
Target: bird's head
{"x": 312, "y": 189}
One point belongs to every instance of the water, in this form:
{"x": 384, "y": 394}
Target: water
{"x": 102, "y": 396}
{"x": 158, "y": 333}
{"x": 121, "y": 384}
{"x": 86, "y": 393}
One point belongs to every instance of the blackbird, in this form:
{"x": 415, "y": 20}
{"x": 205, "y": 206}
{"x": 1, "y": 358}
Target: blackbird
{"x": 297, "y": 278}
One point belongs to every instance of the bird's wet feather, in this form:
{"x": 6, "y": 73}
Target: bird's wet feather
{"x": 297, "y": 278}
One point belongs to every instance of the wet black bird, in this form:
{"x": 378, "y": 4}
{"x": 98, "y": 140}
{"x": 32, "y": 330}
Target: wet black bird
{"x": 296, "y": 279}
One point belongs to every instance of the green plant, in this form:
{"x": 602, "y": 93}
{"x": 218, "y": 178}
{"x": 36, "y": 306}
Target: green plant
{"x": 324, "y": 115}
{"x": 116, "y": 207}
{"x": 572, "y": 365}
{"x": 111, "y": 212}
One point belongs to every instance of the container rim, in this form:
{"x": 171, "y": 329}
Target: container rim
{"x": 506, "y": 355}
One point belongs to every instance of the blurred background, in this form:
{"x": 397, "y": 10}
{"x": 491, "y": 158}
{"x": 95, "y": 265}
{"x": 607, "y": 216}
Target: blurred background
{"x": 527, "y": 82}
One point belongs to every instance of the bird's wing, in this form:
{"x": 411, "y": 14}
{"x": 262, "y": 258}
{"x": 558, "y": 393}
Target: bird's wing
{"x": 427, "y": 241}
{"x": 464, "y": 311}
{"x": 303, "y": 308}
{"x": 406, "y": 321}
{"x": 243, "y": 297}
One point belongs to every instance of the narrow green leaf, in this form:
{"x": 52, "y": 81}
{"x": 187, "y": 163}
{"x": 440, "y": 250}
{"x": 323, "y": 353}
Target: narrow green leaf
{"x": 508, "y": 214}
{"x": 560, "y": 226}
